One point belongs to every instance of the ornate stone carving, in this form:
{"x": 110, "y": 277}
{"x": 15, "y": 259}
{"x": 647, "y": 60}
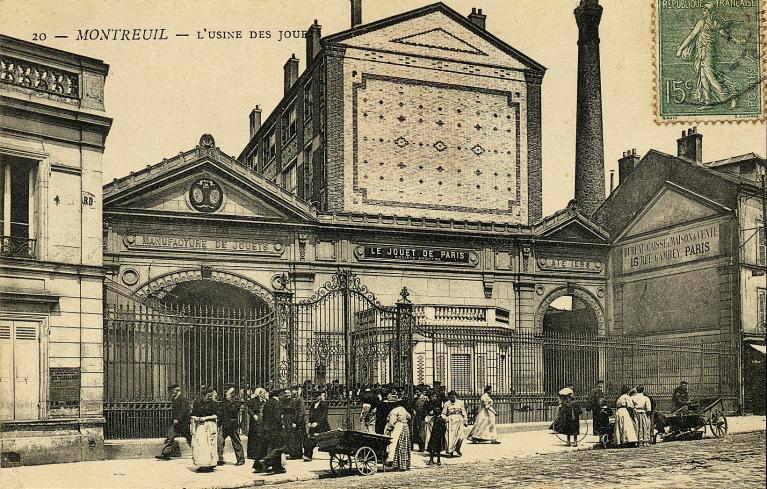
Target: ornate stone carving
{"x": 38, "y": 77}
{"x": 162, "y": 282}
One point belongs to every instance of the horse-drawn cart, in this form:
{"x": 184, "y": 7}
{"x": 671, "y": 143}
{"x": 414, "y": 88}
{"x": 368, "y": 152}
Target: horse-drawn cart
{"x": 690, "y": 422}
{"x": 351, "y": 450}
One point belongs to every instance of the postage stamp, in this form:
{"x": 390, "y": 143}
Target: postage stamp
{"x": 709, "y": 60}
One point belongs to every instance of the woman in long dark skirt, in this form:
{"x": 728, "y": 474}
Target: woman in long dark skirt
{"x": 568, "y": 420}
{"x": 318, "y": 423}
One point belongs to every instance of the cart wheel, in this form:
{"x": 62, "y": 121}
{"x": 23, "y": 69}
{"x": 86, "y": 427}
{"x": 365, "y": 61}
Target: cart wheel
{"x": 718, "y": 423}
{"x": 604, "y": 440}
{"x": 339, "y": 463}
{"x": 366, "y": 461}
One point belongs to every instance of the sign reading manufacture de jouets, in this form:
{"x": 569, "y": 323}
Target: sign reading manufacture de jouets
{"x": 197, "y": 243}
{"x": 448, "y": 256}
{"x": 671, "y": 249}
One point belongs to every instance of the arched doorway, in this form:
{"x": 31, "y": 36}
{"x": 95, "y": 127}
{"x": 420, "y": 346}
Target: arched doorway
{"x": 189, "y": 327}
{"x": 569, "y": 319}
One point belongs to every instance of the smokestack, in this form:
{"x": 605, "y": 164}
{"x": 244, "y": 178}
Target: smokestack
{"x": 612, "y": 180}
{"x": 477, "y": 18}
{"x": 589, "y": 136}
{"x": 313, "y": 36}
{"x": 690, "y": 145}
{"x": 255, "y": 121}
{"x": 291, "y": 72}
{"x": 627, "y": 164}
{"x": 356, "y": 13}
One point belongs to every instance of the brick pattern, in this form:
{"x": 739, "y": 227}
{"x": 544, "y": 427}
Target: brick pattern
{"x": 436, "y": 146}
{"x": 534, "y": 148}
{"x": 334, "y": 164}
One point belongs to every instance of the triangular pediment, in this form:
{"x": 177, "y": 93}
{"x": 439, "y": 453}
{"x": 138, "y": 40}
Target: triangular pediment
{"x": 208, "y": 183}
{"x": 570, "y": 225}
{"x": 438, "y": 38}
{"x": 671, "y": 206}
{"x": 435, "y": 31}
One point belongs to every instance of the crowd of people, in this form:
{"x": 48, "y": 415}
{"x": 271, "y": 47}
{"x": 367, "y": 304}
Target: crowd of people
{"x": 284, "y": 422}
{"x": 634, "y": 413}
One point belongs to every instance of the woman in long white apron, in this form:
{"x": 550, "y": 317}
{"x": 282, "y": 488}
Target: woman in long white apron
{"x": 204, "y": 428}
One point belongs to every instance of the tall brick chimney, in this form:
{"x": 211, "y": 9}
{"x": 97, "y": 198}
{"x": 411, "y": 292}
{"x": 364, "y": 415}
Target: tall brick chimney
{"x": 589, "y": 136}
{"x": 356, "y": 13}
{"x": 291, "y": 72}
{"x": 690, "y": 145}
{"x": 313, "y": 36}
{"x": 627, "y": 164}
{"x": 255, "y": 120}
{"x": 477, "y": 18}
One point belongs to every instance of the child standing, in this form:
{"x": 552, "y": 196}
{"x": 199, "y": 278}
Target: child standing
{"x": 437, "y": 438}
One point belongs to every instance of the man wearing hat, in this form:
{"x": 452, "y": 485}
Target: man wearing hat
{"x": 593, "y": 400}
{"x": 681, "y": 398}
{"x": 180, "y": 411}
{"x": 273, "y": 431}
{"x": 230, "y": 425}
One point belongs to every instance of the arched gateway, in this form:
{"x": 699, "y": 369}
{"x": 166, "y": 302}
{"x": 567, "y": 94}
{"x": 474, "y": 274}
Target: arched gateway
{"x": 192, "y": 327}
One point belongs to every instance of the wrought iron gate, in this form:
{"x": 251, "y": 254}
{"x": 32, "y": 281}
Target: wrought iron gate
{"x": 342, "y": 337}
{"x": 149, "y": 347}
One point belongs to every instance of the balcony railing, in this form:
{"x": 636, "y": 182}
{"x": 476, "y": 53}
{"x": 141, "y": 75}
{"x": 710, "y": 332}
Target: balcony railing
{"x": 17, "y": 247}
{"x": 442, "y": 315}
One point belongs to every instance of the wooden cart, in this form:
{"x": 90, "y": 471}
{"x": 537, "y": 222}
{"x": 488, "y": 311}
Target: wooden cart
{"x": 691, "y": 423}
{"x": 351, "y": 450}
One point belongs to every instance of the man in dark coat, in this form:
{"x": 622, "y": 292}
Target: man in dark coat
{"x": 681, "y": 398}
{"x": 593, "y": 401}
{"x": 273, "y": 431}
{"x": 229, "y": 425}
{"x": 294, "y": 420}
{"x": 257, "y": 442}
{"x": 180, "y": 412}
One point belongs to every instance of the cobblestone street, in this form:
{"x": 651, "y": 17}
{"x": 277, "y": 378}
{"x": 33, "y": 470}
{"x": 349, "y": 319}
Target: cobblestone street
{"x": 735, "y": 461}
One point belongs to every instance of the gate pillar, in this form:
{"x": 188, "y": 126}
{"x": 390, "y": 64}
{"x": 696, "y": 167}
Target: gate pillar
{"x": 284, "y": 341}
{"x": 403, "y": 355}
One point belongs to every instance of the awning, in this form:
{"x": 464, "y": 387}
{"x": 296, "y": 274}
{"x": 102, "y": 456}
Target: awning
{"x": 760, "y": 348}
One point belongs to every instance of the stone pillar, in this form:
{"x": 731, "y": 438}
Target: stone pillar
{"x": 589, "y": 137}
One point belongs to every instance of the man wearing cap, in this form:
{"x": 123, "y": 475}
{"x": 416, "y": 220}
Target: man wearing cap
{"x": 593, "y": 401}
{"x": 681, "y": 398}
{"x": 180, "y": 411}
{"x": 230, "y": 426}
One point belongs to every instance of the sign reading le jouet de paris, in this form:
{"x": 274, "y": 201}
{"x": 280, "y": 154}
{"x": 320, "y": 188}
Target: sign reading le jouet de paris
{"x": 197, "y": 243}
{"x": 673, "y": 248}
{"x": 417, "y": 254}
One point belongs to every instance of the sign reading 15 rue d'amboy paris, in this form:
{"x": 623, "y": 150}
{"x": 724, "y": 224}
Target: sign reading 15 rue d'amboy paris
{"x": 671, "y": 249}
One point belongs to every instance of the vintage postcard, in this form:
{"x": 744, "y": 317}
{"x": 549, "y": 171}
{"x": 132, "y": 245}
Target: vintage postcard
{"x": 355, "y": 243}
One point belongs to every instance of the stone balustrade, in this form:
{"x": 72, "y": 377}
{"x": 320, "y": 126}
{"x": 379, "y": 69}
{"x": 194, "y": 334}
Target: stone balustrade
{"x": 465, "y": 315}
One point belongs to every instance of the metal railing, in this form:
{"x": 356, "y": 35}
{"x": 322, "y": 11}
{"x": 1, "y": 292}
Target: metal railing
{"x": 17, "y": 247}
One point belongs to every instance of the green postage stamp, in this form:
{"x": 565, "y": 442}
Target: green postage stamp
{"x": 709, "y": 60}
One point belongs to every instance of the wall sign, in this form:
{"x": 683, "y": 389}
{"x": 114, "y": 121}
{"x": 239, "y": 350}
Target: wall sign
{"x": 570, "y": 264}
{"x": 205, "y": 195}
{"x": 671, "y": 249}
{"x": 172, "y": 242}
{"x": 65, "y": 387}
{"x": 447, "y": 256}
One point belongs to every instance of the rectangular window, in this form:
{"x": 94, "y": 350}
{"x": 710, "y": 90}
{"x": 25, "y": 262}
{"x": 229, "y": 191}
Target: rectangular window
{"x": 289, "y": 124}
{"x": 761, "y": 310}
{"x": 17, "y": 206}
{"x": 19, "y": 370}
{"x": 760, "y": 244}
{"x": 270, "y": 146}
{"x": 308, "y": 102}
{"x": 289, "y": 180}
{"x": 460, "y": 373}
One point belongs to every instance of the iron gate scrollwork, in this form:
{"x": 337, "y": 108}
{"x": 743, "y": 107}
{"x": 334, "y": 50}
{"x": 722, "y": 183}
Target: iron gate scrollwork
{"x": 343, "y": 337}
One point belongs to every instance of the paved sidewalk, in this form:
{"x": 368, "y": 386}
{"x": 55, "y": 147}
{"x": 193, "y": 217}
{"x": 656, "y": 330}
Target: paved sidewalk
{"x": 179, "y": 473}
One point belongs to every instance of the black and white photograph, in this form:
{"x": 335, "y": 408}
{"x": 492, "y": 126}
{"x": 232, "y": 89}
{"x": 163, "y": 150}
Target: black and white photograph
{"x": 365, "y": 244}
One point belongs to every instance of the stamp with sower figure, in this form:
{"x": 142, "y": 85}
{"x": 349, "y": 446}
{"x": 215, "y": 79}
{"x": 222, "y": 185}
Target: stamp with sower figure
{"x": 709, "y": 60}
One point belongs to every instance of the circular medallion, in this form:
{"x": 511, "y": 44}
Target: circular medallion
{"x": 205, "y": 195}
{"x": 600, "y": 292}
{"x": 539, "y": 289}
{"x": 130, "y": 277}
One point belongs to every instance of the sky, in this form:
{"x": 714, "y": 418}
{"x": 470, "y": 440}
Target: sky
{"x": 163, "y": 95}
